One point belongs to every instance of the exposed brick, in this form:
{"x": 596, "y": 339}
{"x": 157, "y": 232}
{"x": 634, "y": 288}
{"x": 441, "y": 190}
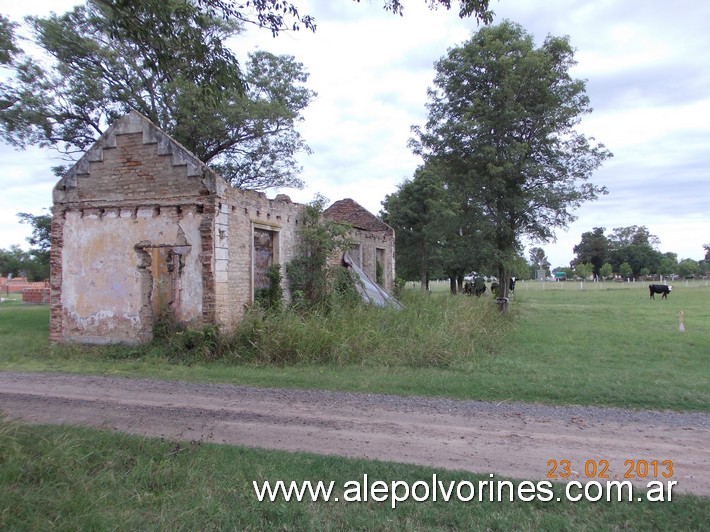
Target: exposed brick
{"x": 138, "y": 214}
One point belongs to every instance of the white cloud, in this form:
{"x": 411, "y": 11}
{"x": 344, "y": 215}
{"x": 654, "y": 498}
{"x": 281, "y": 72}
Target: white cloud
{"x": 645, "y": 62}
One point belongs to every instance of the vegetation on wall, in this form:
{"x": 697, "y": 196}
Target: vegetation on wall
{"x": 310, "y": 274}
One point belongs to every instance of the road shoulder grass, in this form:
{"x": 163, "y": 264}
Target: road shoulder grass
{"x": 80, "y": 478}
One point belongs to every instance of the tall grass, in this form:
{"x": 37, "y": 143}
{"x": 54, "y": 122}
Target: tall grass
{"x": 606, "y": 344}
{"x": 428, "y": 332}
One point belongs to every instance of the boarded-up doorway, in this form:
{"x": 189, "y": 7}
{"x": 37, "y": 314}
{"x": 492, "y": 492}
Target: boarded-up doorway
{"x": 380, "y": 266}
{"x": 264, "y": 256}
{"x": 166, "y": 265}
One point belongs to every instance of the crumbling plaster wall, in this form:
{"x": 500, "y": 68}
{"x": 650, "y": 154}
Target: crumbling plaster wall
{"x": 134, "y": 191}
{"x": 369, "y": 242}
{"x": 107, "y": 285}
{"x": 240, "y": 212}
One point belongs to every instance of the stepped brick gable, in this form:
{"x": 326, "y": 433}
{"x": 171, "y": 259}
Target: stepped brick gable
{"x": 142, "y": 229}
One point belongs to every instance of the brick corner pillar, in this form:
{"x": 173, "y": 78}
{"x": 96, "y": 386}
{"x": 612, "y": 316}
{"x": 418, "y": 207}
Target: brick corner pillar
{"x": 55, "y": 276}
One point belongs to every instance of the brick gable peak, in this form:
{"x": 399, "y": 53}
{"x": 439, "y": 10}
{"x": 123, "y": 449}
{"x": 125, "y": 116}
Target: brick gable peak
{"x": 135, "y": 122}
{"x": 350, "y": 211}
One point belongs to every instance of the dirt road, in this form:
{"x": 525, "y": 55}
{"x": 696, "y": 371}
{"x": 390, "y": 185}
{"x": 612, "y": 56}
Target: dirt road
{"x": 515, "y": 440}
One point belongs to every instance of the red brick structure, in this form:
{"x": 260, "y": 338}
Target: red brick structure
{"x": 36, "y": 296}
{"x": 374, "y": 252}
{"x": 141, "y": 227}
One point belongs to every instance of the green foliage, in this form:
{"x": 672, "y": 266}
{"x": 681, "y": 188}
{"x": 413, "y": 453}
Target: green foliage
{"x": 309, "y": 274}
{"x": 439, "y": 333}
{"x": 19, "y": 263}
{"x": 687, "y": 268}
{"x": 180, "y": 74}
{"x": 184, "y": 345}
{"x": 36, "y": 265}
{"x": 8, "y": 47}
{"x": 425, "y": 219}
{"x": 271, "y": 296}
{"x": 594, "y": 248}
{"x": 606, "y": 271}
{"x": 539, "y": 258}
{"x": 625, "y": 270}
{"x": 584, "y": 270}
{"x": 502, "y": 122}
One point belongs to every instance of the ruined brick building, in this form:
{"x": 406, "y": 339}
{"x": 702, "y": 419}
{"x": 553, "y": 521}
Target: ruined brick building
{"x": 140, "y": 225}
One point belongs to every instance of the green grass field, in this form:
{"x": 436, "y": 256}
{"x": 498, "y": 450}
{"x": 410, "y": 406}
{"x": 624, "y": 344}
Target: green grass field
{"x": 56, "y": 478}
{"x": 606, "y": 345}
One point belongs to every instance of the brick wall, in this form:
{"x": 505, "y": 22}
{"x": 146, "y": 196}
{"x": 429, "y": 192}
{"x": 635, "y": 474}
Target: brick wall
{"x": 134, "y": 191}
{"x": 18, "y": 285}
{"x": 239, "y": 213}
{"x": 36, "y": 296}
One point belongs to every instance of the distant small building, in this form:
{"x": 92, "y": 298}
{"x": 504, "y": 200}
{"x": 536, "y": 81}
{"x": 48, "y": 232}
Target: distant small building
{"x": 140, "y": 226}
{"x": 374, "y": 249}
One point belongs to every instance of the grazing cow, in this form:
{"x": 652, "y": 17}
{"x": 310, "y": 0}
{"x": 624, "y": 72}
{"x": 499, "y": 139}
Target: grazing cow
{"x": 477, "y": 287}
{"x": 511, "y": 287}
{"x": 468, "y": 288}
{"x": 659, "y": 289}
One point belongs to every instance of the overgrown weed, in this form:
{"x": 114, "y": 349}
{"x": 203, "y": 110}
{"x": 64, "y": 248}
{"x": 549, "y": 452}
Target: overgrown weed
{"x": 431, "y": 331}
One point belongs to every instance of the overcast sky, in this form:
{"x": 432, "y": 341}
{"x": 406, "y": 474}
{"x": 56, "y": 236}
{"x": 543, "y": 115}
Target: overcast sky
{"x": 647, "y": 72}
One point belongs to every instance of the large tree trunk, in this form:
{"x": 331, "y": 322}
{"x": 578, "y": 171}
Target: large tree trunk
{"x": 452, "y": 284}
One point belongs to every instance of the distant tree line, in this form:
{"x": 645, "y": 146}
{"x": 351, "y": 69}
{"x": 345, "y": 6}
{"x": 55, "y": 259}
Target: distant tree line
{"x": 33, "y": 264}
{"x": 631, "y": 252}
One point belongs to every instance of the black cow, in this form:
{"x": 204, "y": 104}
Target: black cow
{"x": 659, "y": 289}
{"x": 468, "y": 288}
{"x": 511, "y": 285}
{"x": 477, "y": 287}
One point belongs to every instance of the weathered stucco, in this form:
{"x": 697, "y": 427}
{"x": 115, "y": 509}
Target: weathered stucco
{"x": 141, "y": 229}
{"x": 105, "y": 292}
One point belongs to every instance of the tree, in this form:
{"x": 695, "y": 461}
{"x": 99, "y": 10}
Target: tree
{"x": 584, "y": 270}
{"x": 632, "y": 235}
{"x": 13, "y": 261}
{"x": 35, "y": 263}
{"x": 179, "y": 74}
{"x": 279, "y": 15}
{"x": 502, "y": 118}
{"x": 625, "y": 270}
{"x": 310, "y": 277}
{"x": 687, "y": 268}
{"x": 539, "y": 258}
{"x": 477, "y": 8}
{"x": 669, "y": 264}
{"x": 635, "y": 246}
{"x": 593, "y": 248}
{"x": 520, "y": 269}
{"x": 41, "y": 238}
{"x": 606, "y": 271}
{"x": 420, "y": 212}
{"x": 8, "y": 48}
